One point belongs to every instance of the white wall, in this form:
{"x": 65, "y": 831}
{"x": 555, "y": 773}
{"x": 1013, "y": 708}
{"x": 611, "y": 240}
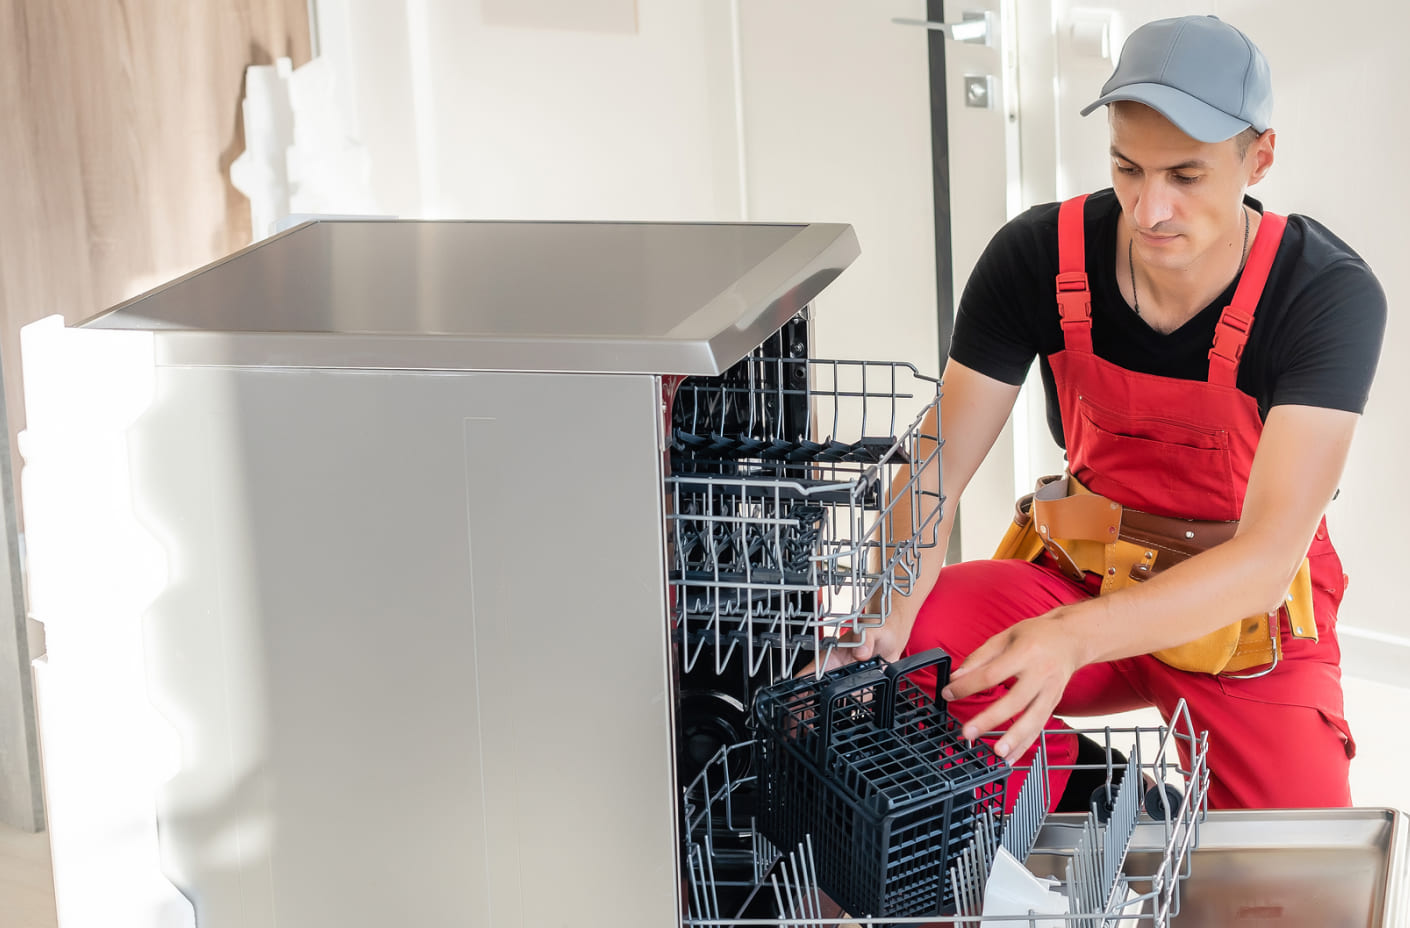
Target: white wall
{"x": 468, "y": 120}
{"x": 836, "y": 107}
{"x": 761, "y": 110}
{"x": 1340, "y": 79}
{"x": 1342, "y": 138}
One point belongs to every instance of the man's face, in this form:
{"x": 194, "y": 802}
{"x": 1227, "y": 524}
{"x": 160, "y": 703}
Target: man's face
{"x": 1182, "y": 197}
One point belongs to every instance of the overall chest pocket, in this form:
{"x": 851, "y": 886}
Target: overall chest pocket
{"x": 1158, "y": 464}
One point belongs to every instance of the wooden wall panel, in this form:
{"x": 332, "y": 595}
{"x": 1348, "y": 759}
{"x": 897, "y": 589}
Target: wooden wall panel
{"x": 118, "y": 123}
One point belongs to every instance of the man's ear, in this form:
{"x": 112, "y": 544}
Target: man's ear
{"x": 1261, "y": 151}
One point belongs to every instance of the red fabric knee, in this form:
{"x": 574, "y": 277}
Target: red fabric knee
{"x": 1277, "y": 742}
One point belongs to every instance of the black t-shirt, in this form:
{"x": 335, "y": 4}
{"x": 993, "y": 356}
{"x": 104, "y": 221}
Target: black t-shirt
{"x": 1315, "y": 339}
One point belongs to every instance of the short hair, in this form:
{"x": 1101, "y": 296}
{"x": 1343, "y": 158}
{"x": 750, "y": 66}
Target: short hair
{"x": 1244, "y": 139}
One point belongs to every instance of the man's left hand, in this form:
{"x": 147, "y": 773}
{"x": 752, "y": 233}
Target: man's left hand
{"x": 1036, "y": 658}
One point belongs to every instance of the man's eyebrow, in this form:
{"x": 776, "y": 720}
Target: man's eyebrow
{"x": 1195, "y": 163}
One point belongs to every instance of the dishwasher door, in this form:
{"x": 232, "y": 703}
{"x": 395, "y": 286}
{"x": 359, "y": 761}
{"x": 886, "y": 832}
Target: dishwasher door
{"x": 1310, "y": 867}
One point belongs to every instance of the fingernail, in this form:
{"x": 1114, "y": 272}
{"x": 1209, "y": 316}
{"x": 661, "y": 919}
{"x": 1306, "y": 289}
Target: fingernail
{"x": 1002, "y": 749}
{"x": 947, "y": 693}
{"x": 970, "y": 733}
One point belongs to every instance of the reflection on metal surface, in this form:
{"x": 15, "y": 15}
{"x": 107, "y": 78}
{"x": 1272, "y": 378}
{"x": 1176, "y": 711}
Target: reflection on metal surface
{"x": 979, "y": 91}
{"x": 1342, "y": 867}
{"x": 653, "y": 298}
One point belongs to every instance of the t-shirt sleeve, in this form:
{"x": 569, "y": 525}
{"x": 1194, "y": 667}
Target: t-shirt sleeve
{"x": 993, "y": 334}
{"x": 1331, "y": 361}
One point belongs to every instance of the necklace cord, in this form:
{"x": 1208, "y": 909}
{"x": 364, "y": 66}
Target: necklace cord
{"x": 1131, "y": 263}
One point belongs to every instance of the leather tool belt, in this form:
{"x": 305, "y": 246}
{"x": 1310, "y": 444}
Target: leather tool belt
{"x": 1086, "y": 533}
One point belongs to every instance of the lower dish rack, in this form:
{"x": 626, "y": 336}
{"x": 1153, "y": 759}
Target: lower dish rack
{"x": 737, "y": 877}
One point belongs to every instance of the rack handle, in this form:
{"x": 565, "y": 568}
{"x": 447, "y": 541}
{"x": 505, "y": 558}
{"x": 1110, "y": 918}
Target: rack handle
{"x": 834, "y": 693}
{"x": 934, "y": 657}
{"x": 884, "y": 682}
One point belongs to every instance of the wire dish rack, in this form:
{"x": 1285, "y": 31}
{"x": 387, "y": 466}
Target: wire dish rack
{"x": 736, "y": 877}
{"x": 801, "y": 491}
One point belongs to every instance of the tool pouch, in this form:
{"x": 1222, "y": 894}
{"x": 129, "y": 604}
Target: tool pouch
{"x": 1086, "y": 533}
{"x": 1020, "y": 541}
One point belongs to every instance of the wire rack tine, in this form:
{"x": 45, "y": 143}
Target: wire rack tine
{"x": 970, "y": 871}
{"x": 1094, "y": 872}
{"x": 1030, "y": 809}
{"x": 794, "y": 883}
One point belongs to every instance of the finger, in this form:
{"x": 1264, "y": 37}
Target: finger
{"x": 981, "y": 655}
{"x": 840, "y": 657}
{"x": 833, "y": 657}
{"x": 990, "y": 671}
{"x": 997, "y": 714}
{"x": 1026, "y": 729}
{"x": 866, "y": 643}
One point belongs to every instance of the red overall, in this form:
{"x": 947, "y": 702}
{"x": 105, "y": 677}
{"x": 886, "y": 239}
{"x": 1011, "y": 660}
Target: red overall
{"x": 1176, "y": 448}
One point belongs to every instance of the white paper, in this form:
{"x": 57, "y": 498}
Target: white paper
{"x": 1012, "y": 890}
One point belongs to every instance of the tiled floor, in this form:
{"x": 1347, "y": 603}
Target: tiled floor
{"x": 1378, "y": 778}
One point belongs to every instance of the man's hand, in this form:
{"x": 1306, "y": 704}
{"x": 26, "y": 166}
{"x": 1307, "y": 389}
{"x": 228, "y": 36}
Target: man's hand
{"x": 888, "y": 641}
{"x": 1036, "y": 657}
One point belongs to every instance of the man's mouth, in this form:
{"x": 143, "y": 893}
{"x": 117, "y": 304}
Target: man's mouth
{"x": 1155, "y": 238}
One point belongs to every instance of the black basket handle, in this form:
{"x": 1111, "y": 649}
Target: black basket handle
{"x": 936, "y": 657}
{"x": 884, "y": 682}
{"x": 831, "y": 696}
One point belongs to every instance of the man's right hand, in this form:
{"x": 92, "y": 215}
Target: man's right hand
{"x": 887, "y": 641}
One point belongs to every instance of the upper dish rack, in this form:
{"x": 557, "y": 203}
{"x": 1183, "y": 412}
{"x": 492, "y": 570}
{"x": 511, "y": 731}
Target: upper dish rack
{"x": 800, "y": 493}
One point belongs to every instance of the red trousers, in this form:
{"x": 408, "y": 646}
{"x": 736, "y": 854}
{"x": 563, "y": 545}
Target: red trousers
{"x": 1279, "y": 741}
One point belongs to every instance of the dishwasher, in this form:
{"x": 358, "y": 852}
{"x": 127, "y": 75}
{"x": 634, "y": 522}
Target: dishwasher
{"x": 455, "y": 573}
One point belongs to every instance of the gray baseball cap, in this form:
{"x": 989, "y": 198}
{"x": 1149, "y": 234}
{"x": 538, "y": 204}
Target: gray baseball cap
{"x": 1202, "y": 74}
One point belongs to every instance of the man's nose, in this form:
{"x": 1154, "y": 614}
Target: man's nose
{"x": 1154, "y": 204}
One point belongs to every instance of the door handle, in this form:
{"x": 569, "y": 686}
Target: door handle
{"x": 975, "y": 28}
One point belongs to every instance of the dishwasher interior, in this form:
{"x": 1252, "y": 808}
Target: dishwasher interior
{"x": 801, "y": 492}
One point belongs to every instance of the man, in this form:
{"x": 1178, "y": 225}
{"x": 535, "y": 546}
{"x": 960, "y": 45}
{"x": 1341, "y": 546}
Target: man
{"x": 1169, "y": 403}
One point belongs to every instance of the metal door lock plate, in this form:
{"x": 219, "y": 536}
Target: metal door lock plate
{"x": 979, "y": 91}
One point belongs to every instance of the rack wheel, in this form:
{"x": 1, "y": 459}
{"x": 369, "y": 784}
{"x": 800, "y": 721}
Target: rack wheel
{"x": 1155, "y": 808}
{"x": 1101, "y": 805}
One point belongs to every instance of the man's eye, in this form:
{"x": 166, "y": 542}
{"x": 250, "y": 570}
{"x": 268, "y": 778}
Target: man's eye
{"x": 1124, "y": 169}
{"x": 1186, "y": 178}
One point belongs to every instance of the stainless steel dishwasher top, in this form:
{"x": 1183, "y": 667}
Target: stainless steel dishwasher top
{"x": 646, "y": 298}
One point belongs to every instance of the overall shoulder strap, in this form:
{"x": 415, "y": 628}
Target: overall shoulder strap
{"x": 1074, "y": 297}
{"x": 1231, "y": 332}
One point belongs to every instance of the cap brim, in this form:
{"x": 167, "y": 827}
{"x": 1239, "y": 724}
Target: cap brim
{"x": 1195, "y": 118}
